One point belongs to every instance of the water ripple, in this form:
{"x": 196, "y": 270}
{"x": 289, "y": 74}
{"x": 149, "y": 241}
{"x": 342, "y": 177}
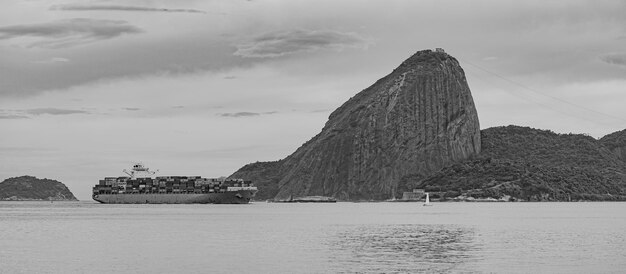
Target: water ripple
{"x": 402, "y": 248}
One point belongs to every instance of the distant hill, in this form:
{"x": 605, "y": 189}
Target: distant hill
{"x": 265, "y": 176}
{"x": 28, "y": 188}
{"x": 535, "y": 165}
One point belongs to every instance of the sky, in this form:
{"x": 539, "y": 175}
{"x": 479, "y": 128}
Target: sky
{"x": 194, "y": 87}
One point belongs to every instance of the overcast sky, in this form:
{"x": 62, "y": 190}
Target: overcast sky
{"x": 195, "y": 87}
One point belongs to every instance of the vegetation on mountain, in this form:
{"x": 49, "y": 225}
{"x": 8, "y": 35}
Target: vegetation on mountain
{"x": 533, "y": 165}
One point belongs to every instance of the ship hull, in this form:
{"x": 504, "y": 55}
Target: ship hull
{"x": 230, "y": 197}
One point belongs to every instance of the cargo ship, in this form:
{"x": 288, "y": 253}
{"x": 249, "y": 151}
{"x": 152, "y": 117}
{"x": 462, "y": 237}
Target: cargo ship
{"x": 139, "y": 187}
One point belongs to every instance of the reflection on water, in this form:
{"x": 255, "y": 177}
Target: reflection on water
{"x": 403, "y": 248}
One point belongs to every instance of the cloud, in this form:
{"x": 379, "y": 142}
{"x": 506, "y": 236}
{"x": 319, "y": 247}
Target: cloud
{"x": 132, "y": 109}
{"x": 246, "y": 114}
{"x": 12, "y": 116}
{"x": 281, "y": 43}
{"x": 615, "y": 59}
{"x": 54, "y": 111}
{"x": 240, "y": 114}
{"x": 320, "y": 110}
{"x": 78, "y": 7}
{"x": 69, "y": 32}
{"x": 53, "y": 60}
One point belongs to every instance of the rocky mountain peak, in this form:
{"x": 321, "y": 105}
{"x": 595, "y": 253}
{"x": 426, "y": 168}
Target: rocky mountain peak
{"x": 414, "y": 121}
{"x": 426, "y": 60}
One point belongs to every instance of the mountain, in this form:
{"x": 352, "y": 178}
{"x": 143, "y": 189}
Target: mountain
{"x": 31, "y": 188}
{"x": 534, "y": 165}
{"x": 411, "y": 123}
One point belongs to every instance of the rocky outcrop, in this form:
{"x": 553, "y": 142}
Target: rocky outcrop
{"x": 28, "y": 188}
{"x": 616, "y": 143}
{"x": 413, "y": 122}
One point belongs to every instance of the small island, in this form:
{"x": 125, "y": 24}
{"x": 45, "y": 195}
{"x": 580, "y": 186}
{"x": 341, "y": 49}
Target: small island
{"x": 29, "y": 188}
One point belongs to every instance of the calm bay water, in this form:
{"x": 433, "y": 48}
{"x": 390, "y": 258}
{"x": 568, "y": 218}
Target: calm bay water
{"x": 84, "y": 237}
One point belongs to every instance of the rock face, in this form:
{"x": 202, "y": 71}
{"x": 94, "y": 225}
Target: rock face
{"x": 413, "y": 122}
{"x": 28, "y": 188}
{"x": 616, "y": 143}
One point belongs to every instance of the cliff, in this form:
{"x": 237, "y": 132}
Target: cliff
{"x": 533, "y": 165}
{"x": 411, "y": 123}
{"x": 30, "y": 188}
{"x": 616, "y": 143}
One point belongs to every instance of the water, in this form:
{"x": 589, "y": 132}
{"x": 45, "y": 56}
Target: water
{"x": 84, "y": 237}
